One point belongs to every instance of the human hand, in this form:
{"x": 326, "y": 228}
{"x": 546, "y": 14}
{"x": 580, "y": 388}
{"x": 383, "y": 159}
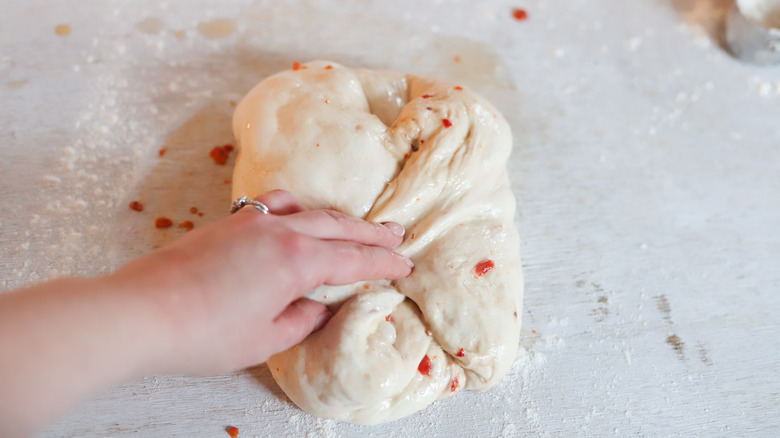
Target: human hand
{"x": 230, "y": 294}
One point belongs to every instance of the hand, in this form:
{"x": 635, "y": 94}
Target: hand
{"x": 230, "y": 293}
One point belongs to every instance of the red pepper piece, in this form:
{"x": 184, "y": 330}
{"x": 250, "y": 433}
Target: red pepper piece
{"x": 163, "y": 222}
{"x": 519, "y": 14}
{"x": 454, "y": 385}
{"x": 425, "y": 367}
{"x": 296, "y": 66}
{"x": 232, "y": 431}
{"x": 219, "y": 155}
{"x": 460, "y": 353}
{"x": 484, "y": 267}
{"x": 137, "y": 206}
{"x": 446, "y": 123}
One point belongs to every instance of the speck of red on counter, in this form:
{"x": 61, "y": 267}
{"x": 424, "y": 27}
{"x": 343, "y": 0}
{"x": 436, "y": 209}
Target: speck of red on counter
{"x": 226, "y": 181}
{"x": 426, "y": 365}
{"x": 296, "y": 66}
{"x": 200, "y": 214}
{"x": 232, "y": 431}
{"x": 519, "y": 14}
{"x": 446, "y": 123}
{"x": 163, "y": 222}
{"x": 456, "y": 59}
{"x": 163, "y": 151}
{"x": 220, "y": 154}
{"x": 458, "y": 88}
{"x": 187, "y": 225}
{"x": 137, "y": 206}
{"x": 193, "y": 210}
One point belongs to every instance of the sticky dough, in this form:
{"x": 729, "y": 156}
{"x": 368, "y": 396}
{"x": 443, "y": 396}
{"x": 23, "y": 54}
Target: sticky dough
{"x": 376, "y": 145}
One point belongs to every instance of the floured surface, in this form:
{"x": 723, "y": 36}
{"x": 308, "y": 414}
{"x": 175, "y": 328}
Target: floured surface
{"x": 645, "y": 161}
{"x": 425, "y": 153}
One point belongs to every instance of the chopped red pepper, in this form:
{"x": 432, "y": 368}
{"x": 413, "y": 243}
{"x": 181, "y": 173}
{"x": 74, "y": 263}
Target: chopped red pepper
{"x": 193, "y": 210}
{"x": 137, "y": 206}
{"x": 366, "y": 286}
{"x": 446, "y": 123}
{"x": 200, "y": 214}
{"x": 389, "y": 318}
{"x": 187, "y": 225}
{"x": 426, "y": 96}
{"x": 454, "y": 385}
{"x": 163, "y": 151}
{"x": 460, "y": 353}
{"x": 428, "y": 332}
{"x": 328, "y": 67}
{"x": 220, "y": 154}
{"x": 296, "y": 66}
{"x": 426, "y": 365}
{"x": 458, "y": 88}
{"x": 519, "y": 14}
{"x": 484, "y": 267}
{"x": 163, "y": 222}
{"x": 232, "y": 431}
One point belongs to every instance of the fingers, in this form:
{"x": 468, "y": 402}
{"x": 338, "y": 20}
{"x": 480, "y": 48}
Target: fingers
{"x": 332, "y": 225}
{"x": 342, "y": 262}
{"x": 297, "y": 321}
{"x": 280, "y": 202}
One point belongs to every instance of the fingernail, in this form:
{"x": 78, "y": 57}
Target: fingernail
{"x": 408, "y": 261}
{"x": 395, "y": 228}
{"x": 322, "y": 319}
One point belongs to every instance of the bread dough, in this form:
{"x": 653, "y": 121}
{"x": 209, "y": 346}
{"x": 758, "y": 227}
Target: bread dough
{"x": 430, "y": 155}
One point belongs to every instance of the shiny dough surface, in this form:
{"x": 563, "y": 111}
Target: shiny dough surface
{"x": 430, "y": 155}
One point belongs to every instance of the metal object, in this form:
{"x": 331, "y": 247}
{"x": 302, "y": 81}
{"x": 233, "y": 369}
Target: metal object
{"x": 243, "y": 201}
{"x": 753, "y": 31}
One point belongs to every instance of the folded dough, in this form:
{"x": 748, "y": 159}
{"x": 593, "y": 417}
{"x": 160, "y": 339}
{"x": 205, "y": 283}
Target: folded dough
{"x": 431, "y": 156}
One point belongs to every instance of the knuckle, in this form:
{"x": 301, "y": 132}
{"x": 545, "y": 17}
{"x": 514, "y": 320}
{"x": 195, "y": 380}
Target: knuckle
{"x": 295, "y": 243}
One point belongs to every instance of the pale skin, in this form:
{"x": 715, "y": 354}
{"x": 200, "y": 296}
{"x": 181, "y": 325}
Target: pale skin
{"x": 221, "y": 298}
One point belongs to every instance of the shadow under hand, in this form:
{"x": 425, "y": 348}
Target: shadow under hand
{"x": 710, "y": 15}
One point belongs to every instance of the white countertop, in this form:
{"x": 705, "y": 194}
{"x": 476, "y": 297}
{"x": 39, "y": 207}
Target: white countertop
{"x": 646, "y": 167}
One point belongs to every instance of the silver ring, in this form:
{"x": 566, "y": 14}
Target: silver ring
{"x": 243, "y": 201}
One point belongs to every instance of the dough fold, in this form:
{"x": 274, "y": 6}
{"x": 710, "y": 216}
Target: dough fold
{"x": 430, "y": 155}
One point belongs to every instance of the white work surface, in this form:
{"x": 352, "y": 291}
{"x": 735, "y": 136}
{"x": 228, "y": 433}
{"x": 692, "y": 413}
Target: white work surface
{"x": 646, "y": 167}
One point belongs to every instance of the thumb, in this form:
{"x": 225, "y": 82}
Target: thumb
{"x": 297, "y": 321}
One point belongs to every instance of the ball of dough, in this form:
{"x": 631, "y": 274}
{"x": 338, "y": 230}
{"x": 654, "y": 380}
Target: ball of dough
{"x": 430, "y": 155}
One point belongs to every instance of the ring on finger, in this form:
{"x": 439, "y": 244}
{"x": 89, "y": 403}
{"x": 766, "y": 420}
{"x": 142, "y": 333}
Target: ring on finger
{"x": 243, "y": 201}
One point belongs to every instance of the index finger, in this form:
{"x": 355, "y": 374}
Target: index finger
{"x": 332, "y": 225}
{"x": 342, "y": 262}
